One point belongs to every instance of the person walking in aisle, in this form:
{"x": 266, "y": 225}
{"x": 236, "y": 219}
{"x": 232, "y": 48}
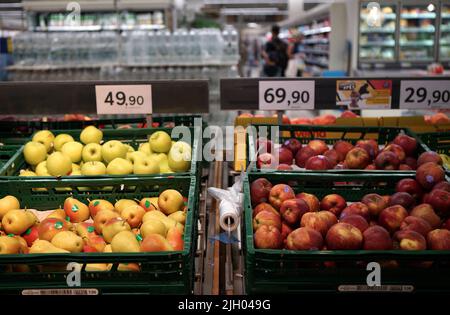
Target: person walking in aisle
{"x": 275, "y": 55}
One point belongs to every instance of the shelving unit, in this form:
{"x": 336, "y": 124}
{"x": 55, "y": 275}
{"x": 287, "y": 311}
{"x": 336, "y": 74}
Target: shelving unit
{"x": 444, "y": 37}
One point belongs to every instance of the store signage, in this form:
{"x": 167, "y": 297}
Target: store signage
{"x": 286, "y": 95}
{"x": 421, "y": 94}
{"x": 124, "y": 99}
{"x": 364, "y": 94}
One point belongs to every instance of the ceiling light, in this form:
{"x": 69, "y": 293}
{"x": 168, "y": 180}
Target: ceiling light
{"x": 430, "y": 7}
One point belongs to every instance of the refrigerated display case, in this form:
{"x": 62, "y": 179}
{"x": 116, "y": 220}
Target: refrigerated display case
{"x": 377, "y": 44}
{"x": 444, "y": 40}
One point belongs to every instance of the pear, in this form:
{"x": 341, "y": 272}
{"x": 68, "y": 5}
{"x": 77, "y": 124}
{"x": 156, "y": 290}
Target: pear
{"x": 155, "y": 243}
{"x": 8, "y": 203}
{"x": 158, "y": 215}
{"x": 149, "y": 204}
{"x": 123, "y": 203}
{"x": 153, "y": 227}
{"x": 114, "y": 226}
{"x": 42, "y": 247}
{"x": 69, "y": 241}
{"x": 57, "y": 214}
{"x": 18, "y": 221}
{"x": 9, "y": 245}
{"x": 124, "y": 242}
{"x": 179, "y": 216}
{"x": 97, "y": 267}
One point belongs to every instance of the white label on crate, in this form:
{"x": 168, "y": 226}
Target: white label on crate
{"x": 124, "y": 99}
{"x": 420, "y": 94}
{"x": 381, "y": 288}
{"x": 60, "y": 292}
{"x": 286, "y": 95}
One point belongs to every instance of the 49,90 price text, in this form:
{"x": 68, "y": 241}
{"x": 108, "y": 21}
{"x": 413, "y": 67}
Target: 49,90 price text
{"x": 225, "y": 305}
{"x": 124, "y": 99}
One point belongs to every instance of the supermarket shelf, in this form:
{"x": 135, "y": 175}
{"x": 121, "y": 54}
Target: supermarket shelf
{"x": 445, "y": 29}
{"x": 411, "y": 16}
{"x": 412, "y": 43}
{"x": 378, "y": 44}
{"x": 445, "y": 15}
{"x": 316, "y": 63}
{"x": 92, "y": 28}
{"x": 320, "y": 30}
{"x": 45, "y": 98}
{"x": 60, "y": 5}
{"x": 378, "y": 31}
{"x": 417, "y": 30}
{"x": 388, "y": 16}
{"x": 315, "y": 41}
{"x": 315, "y": 51}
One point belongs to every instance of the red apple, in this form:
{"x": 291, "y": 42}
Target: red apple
{"x": 334, "y": 203}
{"x": 377, "y": 238}
{"x": 439, "y": 199}
{"x": 328, "y": 216}
{"x": 404, "y": 167}
{"x": 403, "y": 199}
{"x": 292, "y": 211}
{"x": 332, "y": 156}
{"x": 416, "y": 224}
{"x": 268, "y": 237}
{"x": 357, "y": 158}
{"x": 387, "y": 160}
{"x": 311, "y": 200}
{"x": 398, "y": 150}
{"x": 410, "y": 186}
{"x": 408, "y": 144}
{"x": 375, "y": 203}
{"x": 368, "y": 148}
{"x": 349, "y": 114}
{"x": 304, "y": 239}
{"x": 259, "y": 191}
{"x": 266, "y": 160}
{"x": 280, "y": 193}
{"x": 285, "y": 231}
{"x": 373, "y": 143}
{"x": 439, "y": 239}
{"x": 342, "y": 148}
{"x": 318, "y": 162}
{"x": 446, "y": 224}
{"x": 429, "y": 174}
{"x": 442, "y": 185}
{"x": 429, "y": 156}
{"x": 264, "y": 145}
{"x": 411, "y": 162}
{"x": 264, "y": 206}
{"x": 314, "y": 221}
{"x": 343, "y": 236}
{"x": 358, "y": 208}
{"x": 392, "y": 217}
{"x": 285, "y": 156}
{"x": 319, "y": 146}
{"x": 303, "y": 155}
{"x": 266, "y": 218}
{"x": 284, "y": 167}
{"x": 357, "y": 221}
{"x": 426, "y": 212}
{"x": 371, "y": 167}
{"x": 293, "y": 144}
{"x": 410, "y": 240}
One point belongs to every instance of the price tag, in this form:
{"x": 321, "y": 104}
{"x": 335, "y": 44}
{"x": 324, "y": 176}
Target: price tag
{"x": 425, "y": 94}
{"x": 286, "y": 95}
{"x": 124, "y": 99}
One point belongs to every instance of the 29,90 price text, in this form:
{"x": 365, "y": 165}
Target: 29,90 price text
{"x": 420, "y": 94}
{"x": 286, "y": 95}
{"x": 124, "y": 99}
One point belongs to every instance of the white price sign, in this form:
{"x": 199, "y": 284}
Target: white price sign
{"x": 419, "y": 94}
{"x": 124, "y": 99}
{"x": 286, "y": 95}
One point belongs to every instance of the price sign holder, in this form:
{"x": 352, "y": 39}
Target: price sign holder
{"x": 243, "y": 94}
{"x": 53, "y": 98}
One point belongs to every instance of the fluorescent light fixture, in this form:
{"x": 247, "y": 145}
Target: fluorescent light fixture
{"x": 225, "y": 2}
{"x": 252, "y": 11}
{"x": 430, "y": 7}
{"x": 252, "y": 25}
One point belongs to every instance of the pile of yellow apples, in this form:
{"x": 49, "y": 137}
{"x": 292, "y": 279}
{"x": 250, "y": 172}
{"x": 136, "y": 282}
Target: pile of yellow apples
{"x": 152, "y": 224}
{"x": 48, "y": 155}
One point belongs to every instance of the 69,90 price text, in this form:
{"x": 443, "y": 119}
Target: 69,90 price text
{"x": 286, "y": 95}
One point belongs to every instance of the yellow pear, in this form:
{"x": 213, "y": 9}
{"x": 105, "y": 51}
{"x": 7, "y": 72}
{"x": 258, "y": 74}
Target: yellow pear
{"x": 9, "y": 245}
{"x": 179, "y": 216}
{"x": 113, "y": 227}
{"x": 124, "y": 242}
{"x": 17, "y": 221}
{"x": 58, "y": 214}
{"x": 154, "y": 226}
{"x": 8, "y": 203}
{"x": 121, "y": 204}
{"x": 158, "y": 215}
{"x": 97, "y": 267}
{"x": 69, "y": 241}
{"x": 41, "y": 247}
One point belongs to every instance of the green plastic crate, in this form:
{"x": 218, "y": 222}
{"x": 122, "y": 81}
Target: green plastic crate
{"x": 161, "y": 273}
{"x": 130, "y": 136}
{"x": 7, "y": 152}
{"x": 332, "y": 134}
{"x": 288, "y": 271}
{"x": 437, "y": 141}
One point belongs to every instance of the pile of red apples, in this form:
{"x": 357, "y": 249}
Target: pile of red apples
{"x": 400, "y": 154}
{"x": 415, "y": 217}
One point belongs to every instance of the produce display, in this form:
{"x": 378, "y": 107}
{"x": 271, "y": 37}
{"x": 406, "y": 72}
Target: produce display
{"x": 415, "y": 217}
{"x": 151, "y": 224}
{"x": 61, "y": 155}
{"x": 400, "y": 154}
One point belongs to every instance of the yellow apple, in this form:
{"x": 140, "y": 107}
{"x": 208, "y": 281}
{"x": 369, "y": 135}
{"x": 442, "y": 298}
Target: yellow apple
{"x": 17, "y": 221}
{"x": 152, "y": 227}
{"x": 146, "y": 165}
{"x": 91, "y": 134}
{"x": 60, "y": 140}
{"x": 119, "y": 166}
{"x": 145, "y": 148}
{"x": 180, "y": 156}
{"x": 45, "y": 137}
{"x": 160, "y": 142}
{"x": 69, "y": 241}
{"x": 170, "y": 201}
{"x": 92, "y": 152}
{"x": 7, "y": 204}
{"x": 76, "y": 167}
{"x": 93, "y": 168}
{"x": 125, "y": 241}
{"x": 129, "y": 148}
{"x": 34, "y": 152}
{"x": 27, "y": 173}
{"x": 41, "y": 169}
{"x": 59, "y": 164}
{"x": 73, "y": 150}
{"x": 113, "y": 149}
{"x": 135, "y": 156}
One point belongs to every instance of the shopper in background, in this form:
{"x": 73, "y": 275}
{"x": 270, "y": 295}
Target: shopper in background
{"x": 275, "y": 55}
{"x": 296, "y": 62}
